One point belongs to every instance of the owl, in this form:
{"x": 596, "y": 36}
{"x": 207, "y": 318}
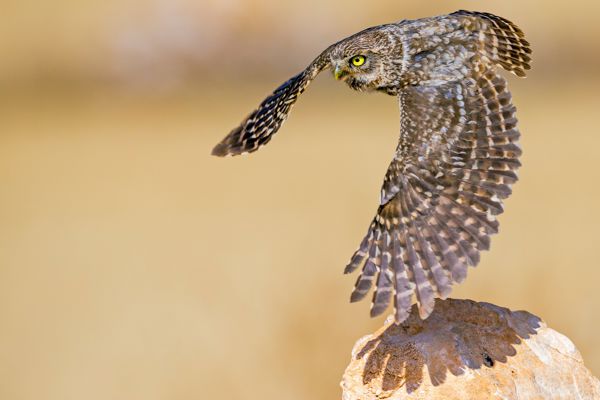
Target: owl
{"x": 456, "y": 158}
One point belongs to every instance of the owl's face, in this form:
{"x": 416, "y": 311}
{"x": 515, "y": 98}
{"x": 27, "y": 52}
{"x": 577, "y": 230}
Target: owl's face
{"x": 361, "y": 70}
{"x": 365, "y": 61}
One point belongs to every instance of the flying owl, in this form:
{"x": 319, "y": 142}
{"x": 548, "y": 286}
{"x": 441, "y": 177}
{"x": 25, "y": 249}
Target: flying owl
{"x": 456, "y": 159}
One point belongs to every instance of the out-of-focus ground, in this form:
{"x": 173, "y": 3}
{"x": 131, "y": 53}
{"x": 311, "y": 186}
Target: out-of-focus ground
{"x": 135, "y": 266}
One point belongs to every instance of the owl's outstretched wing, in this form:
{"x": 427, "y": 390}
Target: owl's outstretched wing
{"x": 258, "y": 128}
{"x": 456, "y": 160}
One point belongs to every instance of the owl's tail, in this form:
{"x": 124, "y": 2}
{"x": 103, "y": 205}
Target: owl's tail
{"x": 258, "y": 128}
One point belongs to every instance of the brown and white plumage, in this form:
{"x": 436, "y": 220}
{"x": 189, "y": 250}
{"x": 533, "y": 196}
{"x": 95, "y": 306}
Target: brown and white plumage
{"x": 456, "y": 158}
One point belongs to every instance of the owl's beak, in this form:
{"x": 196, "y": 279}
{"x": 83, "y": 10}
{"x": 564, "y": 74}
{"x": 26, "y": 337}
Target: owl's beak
{"x": 339, "y": 72}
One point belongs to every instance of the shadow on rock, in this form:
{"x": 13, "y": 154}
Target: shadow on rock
{"x": 459, "y": 334}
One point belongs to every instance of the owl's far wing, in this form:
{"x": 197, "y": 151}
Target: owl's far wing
{"x": 258, "y": 128}
{"x": 499, "y": 40}
{"x": 455, "y": 162}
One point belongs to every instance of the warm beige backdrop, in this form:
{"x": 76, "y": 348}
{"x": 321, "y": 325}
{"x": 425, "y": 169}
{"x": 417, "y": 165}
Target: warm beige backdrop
{"x": 135, "y": 266}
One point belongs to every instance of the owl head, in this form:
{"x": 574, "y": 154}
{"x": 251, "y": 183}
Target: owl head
{"x": 369, "y": 60}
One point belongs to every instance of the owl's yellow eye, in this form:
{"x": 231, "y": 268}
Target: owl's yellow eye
{"x": 357, "y": 61}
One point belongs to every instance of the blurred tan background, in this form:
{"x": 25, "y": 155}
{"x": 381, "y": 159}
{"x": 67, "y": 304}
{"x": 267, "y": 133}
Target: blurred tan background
{"x": 135, "y": 266}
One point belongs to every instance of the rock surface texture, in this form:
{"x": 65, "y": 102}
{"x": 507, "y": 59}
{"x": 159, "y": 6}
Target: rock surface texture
{"x": 467, "y": 350}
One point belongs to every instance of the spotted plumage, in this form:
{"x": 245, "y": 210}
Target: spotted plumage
{"x": 456, "y": 158}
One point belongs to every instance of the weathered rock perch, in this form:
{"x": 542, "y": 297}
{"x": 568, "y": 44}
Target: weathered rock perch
{"x": 467, "y": 350}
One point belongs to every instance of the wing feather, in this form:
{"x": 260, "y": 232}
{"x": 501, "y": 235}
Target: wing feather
{"x": 258, "y": 128}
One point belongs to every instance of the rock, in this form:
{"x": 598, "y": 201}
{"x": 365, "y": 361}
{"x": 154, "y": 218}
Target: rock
{"x": 467, "y": 350}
